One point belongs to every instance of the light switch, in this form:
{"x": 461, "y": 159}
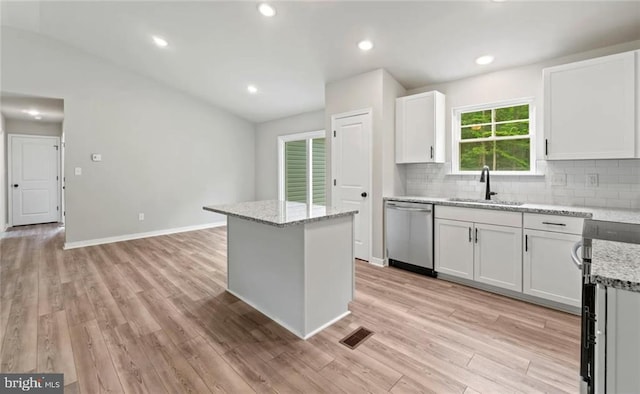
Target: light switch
{"x": 96, "y": 157}
{"x": 78, "y": 171}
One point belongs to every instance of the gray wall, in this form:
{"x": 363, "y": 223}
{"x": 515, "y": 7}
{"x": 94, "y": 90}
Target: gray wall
{"x": 33, "y": 127}
{"x": 3, "y": 177}
{"x": 164, "y": 153}
{"x": 267, "y": 148}
{"x": 376, "y": 90}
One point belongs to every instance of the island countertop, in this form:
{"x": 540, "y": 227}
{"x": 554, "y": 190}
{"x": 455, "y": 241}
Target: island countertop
{"x": 279, "y": 213}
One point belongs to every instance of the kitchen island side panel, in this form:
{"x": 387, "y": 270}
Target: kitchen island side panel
{"x": 266, "y": 269}
{"x": 329, "y": 271}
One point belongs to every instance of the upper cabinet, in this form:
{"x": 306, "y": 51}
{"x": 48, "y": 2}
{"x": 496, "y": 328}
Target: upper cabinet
{"x": 420, "y": 124}
{"x": 590, "y": 108}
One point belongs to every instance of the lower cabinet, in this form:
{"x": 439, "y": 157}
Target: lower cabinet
{"x": 453, "y": 250}
{"x": 497, "y": 257}
{"x": 484, "y": 253}
{"x": 548, "y": 271}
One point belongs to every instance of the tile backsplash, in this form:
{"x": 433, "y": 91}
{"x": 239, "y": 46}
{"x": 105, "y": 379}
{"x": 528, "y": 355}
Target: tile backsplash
{"x": 618, "y": 183}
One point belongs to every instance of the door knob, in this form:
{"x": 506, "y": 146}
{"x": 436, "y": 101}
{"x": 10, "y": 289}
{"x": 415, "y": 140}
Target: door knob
{"x": 15, "y": 185}
{"x": 363, "y": 194}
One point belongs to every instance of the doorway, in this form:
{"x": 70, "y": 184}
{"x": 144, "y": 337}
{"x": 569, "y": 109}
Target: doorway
{"x": 301, "y": 167}
{"x": 351, "y": 173}
{"x": 34, "y": 179}
{"x": 31, "y": 188}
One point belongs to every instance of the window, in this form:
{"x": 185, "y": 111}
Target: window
{"x": 499, "y": 135}
{"x": 302, "y": 167}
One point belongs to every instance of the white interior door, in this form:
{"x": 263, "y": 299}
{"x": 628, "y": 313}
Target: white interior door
{"x": 351, "y": 170}
{"x": 33, "y": 179}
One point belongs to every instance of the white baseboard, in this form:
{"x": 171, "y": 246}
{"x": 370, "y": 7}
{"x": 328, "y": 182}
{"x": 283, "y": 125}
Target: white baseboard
{"x": 128, "y": 237}
{"x": 377, "y": 261}
{"x": 285, "y": 325}
{"x": 327, "y": 324}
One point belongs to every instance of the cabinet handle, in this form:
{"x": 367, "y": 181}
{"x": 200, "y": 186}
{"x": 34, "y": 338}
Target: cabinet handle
{"x": 476, "y": 235}
{"x": 526, "y": 242}
{"x": 555, "y": 224}
{"x": 432, "y": 152}
{"x": 469, "y": 234}
{"x": 546, "y": 147}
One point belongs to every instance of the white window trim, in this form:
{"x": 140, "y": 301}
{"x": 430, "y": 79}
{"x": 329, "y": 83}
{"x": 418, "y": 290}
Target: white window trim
{"x": 455, "y": 134}
{"x": 282, "y": 139}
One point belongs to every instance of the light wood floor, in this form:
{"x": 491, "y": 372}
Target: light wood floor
{"x": 152, "y": 316}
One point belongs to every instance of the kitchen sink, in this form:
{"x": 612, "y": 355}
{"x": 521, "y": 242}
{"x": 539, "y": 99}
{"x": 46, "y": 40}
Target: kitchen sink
{"x": 483, "y": 201}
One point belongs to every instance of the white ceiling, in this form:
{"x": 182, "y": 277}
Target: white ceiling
{"x": 12, "y": 106}
{"x": 217, "y": 48}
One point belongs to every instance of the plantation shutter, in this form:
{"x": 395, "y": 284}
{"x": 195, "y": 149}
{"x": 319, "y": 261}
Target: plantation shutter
{"x": 296, "y": 171}
{"x": 318, "y": 171}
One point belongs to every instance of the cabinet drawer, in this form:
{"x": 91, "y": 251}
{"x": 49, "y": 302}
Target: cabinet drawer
{"x": 488, "y": 216}
{"x": 557, "y": 223}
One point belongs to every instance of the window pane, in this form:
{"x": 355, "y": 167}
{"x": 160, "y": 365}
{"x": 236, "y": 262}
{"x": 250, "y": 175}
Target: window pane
{"x": 506, "y": 155}
{"x": 512, "y": 155}
{"x": 318, "y": 171}
{"x": 296, "y": 171}
{"x": 476, "y": 117}
{"x": 469, "y": 132}
{"x": 515, "y": 128}
{"x": 512, "y": 113}
{"x": 475, "y": 155}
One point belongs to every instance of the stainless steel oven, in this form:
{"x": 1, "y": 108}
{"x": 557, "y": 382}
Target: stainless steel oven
{"x": 594, "y": 300}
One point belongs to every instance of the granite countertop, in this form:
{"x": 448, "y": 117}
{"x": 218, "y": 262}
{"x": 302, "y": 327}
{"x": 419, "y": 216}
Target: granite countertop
{"x": 604, "y": 214}
{"x": 616, "y": 264}
{"x": 280, "y": 213}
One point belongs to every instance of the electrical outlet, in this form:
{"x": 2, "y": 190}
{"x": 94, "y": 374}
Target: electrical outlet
{"x": 141, "y": 216}
{"x": 77, "y": 171}
{"x": 559, "y": 180}
{"x": 591, "y": 180}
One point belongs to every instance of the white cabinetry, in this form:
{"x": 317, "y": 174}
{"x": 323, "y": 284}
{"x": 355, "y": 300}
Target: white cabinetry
{"x": 590, "y": 108}
{"x": 548, "y": 271}
{"x": 454, "y": 248}
{"x": 420, "y": 128}
{"x": 497, "y": 257}
{"x": 480, "y": 245}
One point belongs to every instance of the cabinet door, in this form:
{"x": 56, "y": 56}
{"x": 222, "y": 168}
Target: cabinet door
{"x": 498, "y": 256}
{"x": 589, "y": 108}
{"x": 454, "y": 248}
{"x": 420, "y": 128}
{"x": 549, "y": 272}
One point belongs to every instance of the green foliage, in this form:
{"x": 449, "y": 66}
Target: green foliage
{"x": 499, "y": 154}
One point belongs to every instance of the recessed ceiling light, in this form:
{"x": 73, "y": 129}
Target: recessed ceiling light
{"x": 252, "y": 89}
{"x": 483, "y": 60}
{"x": 365, "y": 45}
{"x": 159, "y": 41}
{"x": 32, "y": 112}
{"x": 266, "y": 10}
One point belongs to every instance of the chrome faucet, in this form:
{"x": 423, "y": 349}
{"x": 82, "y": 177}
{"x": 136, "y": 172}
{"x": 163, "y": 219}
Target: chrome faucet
{"x": 487, "y": 193}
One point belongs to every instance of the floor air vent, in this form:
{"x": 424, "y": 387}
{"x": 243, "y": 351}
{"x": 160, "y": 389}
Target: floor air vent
{"x": 354, "y": 339}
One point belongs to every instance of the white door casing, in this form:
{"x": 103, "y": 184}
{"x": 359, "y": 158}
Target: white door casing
{"x": 34, "y": 179}
{"x": 351, "y": 173}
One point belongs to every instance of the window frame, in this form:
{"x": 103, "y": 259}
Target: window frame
{"x": 304, "y": 136}
{"x": 456, "y": 134}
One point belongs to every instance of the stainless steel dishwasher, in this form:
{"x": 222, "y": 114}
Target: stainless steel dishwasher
{"x": 409, "y": 236}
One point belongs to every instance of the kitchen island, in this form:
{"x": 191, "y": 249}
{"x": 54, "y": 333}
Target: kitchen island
{"x": 292, "y": 261}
